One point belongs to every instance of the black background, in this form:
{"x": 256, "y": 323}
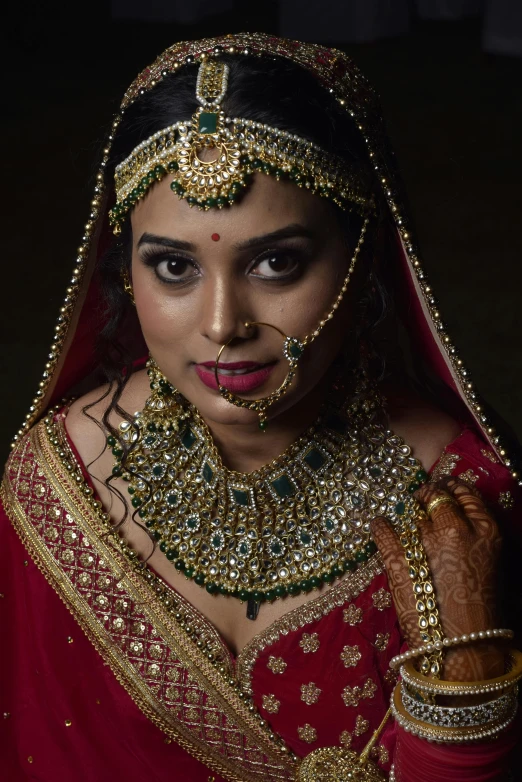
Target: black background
{"x": 454, "y": 116}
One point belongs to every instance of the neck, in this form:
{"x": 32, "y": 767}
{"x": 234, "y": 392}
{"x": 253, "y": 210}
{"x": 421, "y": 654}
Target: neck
{"x": 244, "y": 448}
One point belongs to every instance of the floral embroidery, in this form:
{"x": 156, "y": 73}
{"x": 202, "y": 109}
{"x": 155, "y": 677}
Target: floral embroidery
{"x": 276, "y": 664}
{"x": 489, "y": 455}
{"x": 381, "y": 754}
{"x": 361, "y": 725}
{"x": 391, "y": 677}
{"x": 468, "y": 477}
{"x": 345, "y": 738}
{"x": 352, "y": 695}
{"x": 381, "y": 641}
{"x": 307, "y": 733}
{"x": 381, "y": 599}
{"x": 505, "y": 500}
{"x": 310, "y": 693}
{"x": 350, "y": 656}
{"x": 271, "y": 704}
{"x": 309, "y": 642}
{"x": 352, "y": 615}
{"x": 445, "y": 466}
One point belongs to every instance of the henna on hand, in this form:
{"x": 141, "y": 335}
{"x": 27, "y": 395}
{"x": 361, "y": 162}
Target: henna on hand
{"x": 462, "y": 545}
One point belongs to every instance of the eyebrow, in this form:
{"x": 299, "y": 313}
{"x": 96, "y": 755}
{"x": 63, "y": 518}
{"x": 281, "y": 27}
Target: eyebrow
{"x": 288, "y": 232}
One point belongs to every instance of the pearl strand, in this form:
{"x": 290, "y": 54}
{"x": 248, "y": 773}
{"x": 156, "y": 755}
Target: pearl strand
{"x": 397, "y": 661}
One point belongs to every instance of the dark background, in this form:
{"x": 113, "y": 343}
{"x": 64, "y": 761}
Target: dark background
{"x": 454, "y": 115}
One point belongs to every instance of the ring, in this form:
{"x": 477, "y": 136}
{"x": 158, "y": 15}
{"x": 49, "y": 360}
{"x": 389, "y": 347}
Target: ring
{"x": 438, "y": 501}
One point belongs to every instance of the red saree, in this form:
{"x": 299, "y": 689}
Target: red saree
{"x": 108, "y": 673}
{"x": 99, "y": 682}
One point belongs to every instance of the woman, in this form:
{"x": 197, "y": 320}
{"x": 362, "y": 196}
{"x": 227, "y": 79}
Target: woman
{"x": 224, "y": 536}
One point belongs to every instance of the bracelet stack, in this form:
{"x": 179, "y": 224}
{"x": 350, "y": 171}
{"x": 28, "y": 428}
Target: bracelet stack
{"x": 415, "y": 709}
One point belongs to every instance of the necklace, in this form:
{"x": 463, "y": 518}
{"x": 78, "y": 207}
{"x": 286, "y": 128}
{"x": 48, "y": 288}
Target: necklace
{"x": 298, "y": 522}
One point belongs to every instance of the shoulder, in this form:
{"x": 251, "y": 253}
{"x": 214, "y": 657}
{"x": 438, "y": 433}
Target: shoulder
{"x": 426, "y": 428}
{"x": 85, "y": 417}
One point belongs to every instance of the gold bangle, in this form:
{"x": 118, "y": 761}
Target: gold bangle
{"x": 438, "y": 501}
{"x": 443, "y": 734}
{"x": 418, "y": 681}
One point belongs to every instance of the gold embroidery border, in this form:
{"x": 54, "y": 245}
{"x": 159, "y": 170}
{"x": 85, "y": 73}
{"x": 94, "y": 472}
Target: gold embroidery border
{"x": 207, "y": 677}
{"x": 349, "y": 587}
{"x": 198, "y": 620}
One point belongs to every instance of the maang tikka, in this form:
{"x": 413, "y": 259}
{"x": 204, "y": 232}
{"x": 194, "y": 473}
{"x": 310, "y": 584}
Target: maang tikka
{"x": 234, "y": 149}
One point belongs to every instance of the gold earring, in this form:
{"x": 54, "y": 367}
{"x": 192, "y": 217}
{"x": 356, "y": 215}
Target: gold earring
{"x": 127, "y": 286}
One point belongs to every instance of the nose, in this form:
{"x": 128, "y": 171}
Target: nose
{"x": 224, "y": 311}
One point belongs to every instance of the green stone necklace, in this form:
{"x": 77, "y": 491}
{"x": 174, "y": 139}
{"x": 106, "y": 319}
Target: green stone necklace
{"x": 298, "y": 522}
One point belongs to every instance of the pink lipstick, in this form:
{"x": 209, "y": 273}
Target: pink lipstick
{"x": 239, "y": 377}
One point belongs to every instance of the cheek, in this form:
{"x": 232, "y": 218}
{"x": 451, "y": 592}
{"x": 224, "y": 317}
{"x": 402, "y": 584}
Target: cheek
{"x": 163, "y": 319}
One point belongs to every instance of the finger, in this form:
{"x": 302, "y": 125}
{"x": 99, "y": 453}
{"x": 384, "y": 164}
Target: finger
{"x": 385, "y": 538}
{"x": 451, "y": 481}
{"x": 472, "y": 506}
{"x": 442, "y": 508}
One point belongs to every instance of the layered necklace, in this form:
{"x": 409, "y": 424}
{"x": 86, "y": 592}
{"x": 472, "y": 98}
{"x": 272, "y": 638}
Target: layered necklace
{"x": 298, "y": 522}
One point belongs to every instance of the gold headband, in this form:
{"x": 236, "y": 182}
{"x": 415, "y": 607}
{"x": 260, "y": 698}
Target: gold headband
{"x": 240, "y": 148}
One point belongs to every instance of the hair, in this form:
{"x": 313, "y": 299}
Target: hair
{"x": 275, "y": 92}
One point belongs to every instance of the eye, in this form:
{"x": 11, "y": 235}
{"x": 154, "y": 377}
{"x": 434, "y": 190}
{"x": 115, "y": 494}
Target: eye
{"x": 276, "y": 265}
{"x": 171, "y": 268}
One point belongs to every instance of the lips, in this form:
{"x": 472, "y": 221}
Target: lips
{"x": 239, "y": 377}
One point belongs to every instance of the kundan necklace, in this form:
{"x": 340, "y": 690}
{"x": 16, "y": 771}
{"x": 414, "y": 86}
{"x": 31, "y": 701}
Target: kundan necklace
{"x": 300, "y": 521}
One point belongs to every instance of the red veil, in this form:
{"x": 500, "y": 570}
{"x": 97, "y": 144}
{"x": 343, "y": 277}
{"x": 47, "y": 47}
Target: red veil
{"x": 72, "y": 361}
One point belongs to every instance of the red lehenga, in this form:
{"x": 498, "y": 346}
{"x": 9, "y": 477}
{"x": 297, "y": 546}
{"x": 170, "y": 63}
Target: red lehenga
{"x": 110, "y": 674}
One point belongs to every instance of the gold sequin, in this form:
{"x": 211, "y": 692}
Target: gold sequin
{"x": 118, "y": 623}
{"x": 68, "y": 723}
{"x": 39, "y": 490}
{"x": 350, "y": 656}
{"x": 352, "y": 695}
{"x": 276, "y": 664}
{"x": 271, "y": 704}
{"x": 310, "y": 693}
{"x": 87, "y": 560}
{"x": 346, "y": 738}
{"x": 154, "y": 670}
{"x": 307, "y": 733}
{"x": 468, "y": 477}
{"x": 352, "y": 615}
{"x": 156, "y": 651}
{"x": 381, "y": 599}
{"x": 136, "y": 647}
{"x": 309, "y": 642}
{"x": 505, "y": 500}
{"x": 489, "y": 455}
{"x": 381, "y": 641}
{"x": 85, "y": 579}
{"x": 69, "y": 536}
{"x": 67, "y": 556}
{"x": 30, "y": 759}
{"x": 361, "y": 725}
{"x": 70, "y": 639}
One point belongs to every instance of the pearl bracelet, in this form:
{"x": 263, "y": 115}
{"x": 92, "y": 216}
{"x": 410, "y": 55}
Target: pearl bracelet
{"x": 481, "y": 714}
{"x": 397, "y": 661}
{"x": 448, "y": 735}
{"x": 420, "y": 683}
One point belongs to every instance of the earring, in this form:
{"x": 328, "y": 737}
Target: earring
{"x": 127, "y": 286}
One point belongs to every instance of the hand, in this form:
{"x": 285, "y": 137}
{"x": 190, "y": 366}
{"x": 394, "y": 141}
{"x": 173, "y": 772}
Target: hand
{"x": 462, "y": 545}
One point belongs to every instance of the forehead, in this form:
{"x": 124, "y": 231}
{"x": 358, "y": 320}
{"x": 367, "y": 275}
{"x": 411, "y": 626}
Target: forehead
{"x": 267, "y": 205}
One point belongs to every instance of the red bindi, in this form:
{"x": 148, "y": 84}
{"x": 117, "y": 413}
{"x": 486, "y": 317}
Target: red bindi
{"x": 215, "y": 237}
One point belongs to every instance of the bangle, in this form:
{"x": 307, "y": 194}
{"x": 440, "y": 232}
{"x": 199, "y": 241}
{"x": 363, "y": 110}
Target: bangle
{"x": 445, "y": 735}
{"x": 397, "y": 661}
{"x": 460, "y": 716}
{"x": 417, "y": 681}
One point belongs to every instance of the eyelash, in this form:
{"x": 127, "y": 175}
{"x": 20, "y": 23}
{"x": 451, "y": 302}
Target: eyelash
{"x": 153, "y": 258}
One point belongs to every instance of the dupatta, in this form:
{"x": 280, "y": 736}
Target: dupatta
{"x": 51, "y": 503}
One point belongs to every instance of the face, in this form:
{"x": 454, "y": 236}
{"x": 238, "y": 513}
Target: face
{"x": 279, "y": 256}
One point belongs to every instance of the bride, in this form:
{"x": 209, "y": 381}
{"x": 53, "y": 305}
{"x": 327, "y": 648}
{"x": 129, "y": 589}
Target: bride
{"x": 271, "y": 487}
